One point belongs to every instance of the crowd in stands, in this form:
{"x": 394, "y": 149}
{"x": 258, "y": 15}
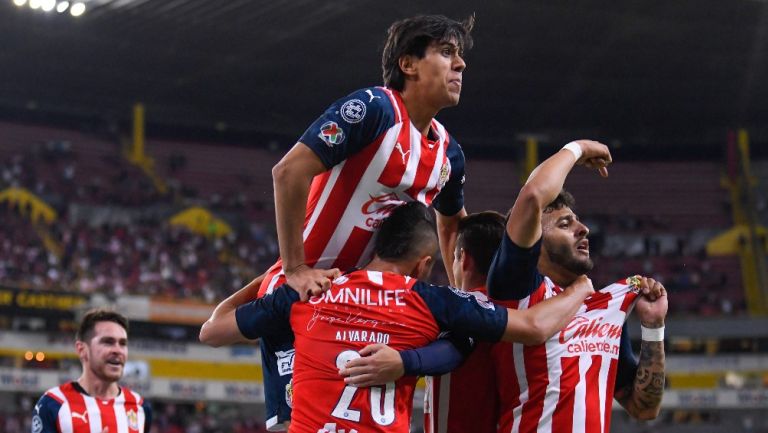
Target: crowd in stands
{"x": 113, "y": 237}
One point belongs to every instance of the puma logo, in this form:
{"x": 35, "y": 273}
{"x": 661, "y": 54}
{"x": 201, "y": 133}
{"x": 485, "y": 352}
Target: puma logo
{"x": 371, "y": 95}
{"x": 82, "y": 416}
{"x": 400, "y": 149}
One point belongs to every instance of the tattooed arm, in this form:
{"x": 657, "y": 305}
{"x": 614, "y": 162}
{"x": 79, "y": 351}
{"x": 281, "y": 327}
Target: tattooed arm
{"x": 642, "y": 397}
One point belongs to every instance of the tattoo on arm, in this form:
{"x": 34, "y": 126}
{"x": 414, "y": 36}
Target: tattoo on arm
{"x": 642, "y": 398}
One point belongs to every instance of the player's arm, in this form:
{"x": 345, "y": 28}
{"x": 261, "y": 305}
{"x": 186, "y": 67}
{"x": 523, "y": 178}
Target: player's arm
{"x": 535, "y": 325}
{"x": 44, "y": 415}
{"x": 265, "y": 316}
{"x": 380, "y": 363}
{"x": 545, "y": 183}
{"x": 147, "y": 416}
{"x": 447, "y": 232}
{"x": 292, "y": 177}
{"x": 642, "y": 397}
{"x": 247, "y": 293}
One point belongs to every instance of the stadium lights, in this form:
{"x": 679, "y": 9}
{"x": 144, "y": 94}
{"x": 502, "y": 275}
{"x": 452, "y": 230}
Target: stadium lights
{"x": 77, "y": 9}
{"x": 62, "y": 6}
{"x": 48, "y": 5}
{"x": 19, "y": 3}
{"x": 35, "y": 4}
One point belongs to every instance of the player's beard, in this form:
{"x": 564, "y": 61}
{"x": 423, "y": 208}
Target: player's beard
{"x": 564, "y": 256}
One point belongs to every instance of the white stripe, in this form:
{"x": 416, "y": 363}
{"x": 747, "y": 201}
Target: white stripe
{"x": 273, "y": 282}
{"x": 552, "y": 393}
{"x": 393, "y": 101}
{"x": 522, "y": 381}
{"x": 605, "y": 367}
{"x": 580, "y": 396}
{"x": 335, "y": 171}
{"x": 375, "y": 277}
{"x": 65, "y": 415}
{"x": 444, "y": 402}
{"x": 121, "y": 418}
{"x": 59, "y": 394}
{"x": 94, "y": 415}
{"x": 142, "y": 417}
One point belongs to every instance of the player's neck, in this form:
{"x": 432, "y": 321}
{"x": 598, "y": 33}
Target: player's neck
{"x": 470, "y": 281}
{"x": 98, "y": 388}
{"x": 419, "y": 110}
{"x": 559, "y": 275}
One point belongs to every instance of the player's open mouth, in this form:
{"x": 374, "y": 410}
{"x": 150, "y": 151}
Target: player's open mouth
{"x": 583, "y": 246}
{"x": 115, "y": 362}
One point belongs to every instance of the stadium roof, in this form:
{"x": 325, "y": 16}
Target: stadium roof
{"x": 649, "y": 73}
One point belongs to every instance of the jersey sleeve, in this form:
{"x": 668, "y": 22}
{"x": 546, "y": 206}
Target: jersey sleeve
{"x": 45, "y": 414}
{"x": 267, "y": 316}
{"x": 468, "y": 313}
{"x": 450, "y": 200}
{"x": 627, "y": 365}
{"x": 437, "y": 358}
{"x": 349, "y": 125}
{"x": 147, "y": 416}
{"x": 514, "y": 271}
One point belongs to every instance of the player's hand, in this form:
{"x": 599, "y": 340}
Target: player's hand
{"x": 595, "y": 155}
{"x": 651, "y": 307}
{"x": 377, "y": 365}
{"x": 106, "y": 430}
{"x": 582, "y": 285}
{"x": 308, "y": 282}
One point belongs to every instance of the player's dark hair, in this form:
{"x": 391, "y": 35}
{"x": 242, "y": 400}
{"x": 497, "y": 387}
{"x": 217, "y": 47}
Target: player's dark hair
{"x": 412, "y": 36}
{"x": 88, "y": 324}
{"x": 479, "y": 235}
{"x": 564, "y": 199}
{"x": 407, "y": 233}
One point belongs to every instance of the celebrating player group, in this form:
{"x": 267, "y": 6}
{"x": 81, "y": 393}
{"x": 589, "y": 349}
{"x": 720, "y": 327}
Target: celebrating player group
{"x": 519, "y": 342}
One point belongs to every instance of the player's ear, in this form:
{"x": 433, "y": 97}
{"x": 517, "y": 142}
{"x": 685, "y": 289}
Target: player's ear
{"x": 408, "y": 64}
{"x": 82, "y": 349}
{"x": 423, "y": 268}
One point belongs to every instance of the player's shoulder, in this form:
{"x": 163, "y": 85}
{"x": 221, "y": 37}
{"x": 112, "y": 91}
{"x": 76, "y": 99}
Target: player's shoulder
{"x": 50, "y": 402}
{"x": 132, "y": 394}
{"x": 366, "y": 104}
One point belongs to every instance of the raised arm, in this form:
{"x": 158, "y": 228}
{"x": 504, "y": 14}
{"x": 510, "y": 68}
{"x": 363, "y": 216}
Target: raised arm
{"x": 642, "y": 397}
{"x": 292, "y": 177}
{"x": 546, "y": 182}
{"x": 537, "y": 324}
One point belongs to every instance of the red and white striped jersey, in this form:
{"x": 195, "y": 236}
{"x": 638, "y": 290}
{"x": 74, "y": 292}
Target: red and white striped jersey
{"x": 68, "y": 409}
{"x": 450, "y": 400}
{"x": 376, "y": 160}
{"x": 567, "y": 384}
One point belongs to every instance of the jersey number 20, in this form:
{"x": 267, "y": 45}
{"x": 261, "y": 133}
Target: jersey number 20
{"x": 382, "y": 398}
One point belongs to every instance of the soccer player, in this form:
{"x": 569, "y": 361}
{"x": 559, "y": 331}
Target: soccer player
{"x": 446, "y": 408}
{"x": 95, "y": 402}
{"x": 383, "y": 303}
{"x": 366, "y": 154}
{"x": 569, "y": 382}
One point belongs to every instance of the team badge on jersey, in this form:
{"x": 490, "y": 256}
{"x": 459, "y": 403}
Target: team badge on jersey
{"x": 37, "y": 424}
{"x": 353, "y": 111}
{"x": 133, "y": 419}
{"x": 289, "y": 394}
{"x": 285, "y": 361}
{"x": 445, "y": 171}
{"x": 331, "y": 134}
{"x": 634, "y": 283}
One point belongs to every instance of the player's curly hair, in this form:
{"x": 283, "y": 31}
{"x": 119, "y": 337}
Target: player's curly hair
{"x": 87, "y": 326}
{"x": 412, "y": 36}
{"x": 564, "y": 199}
{"x": 407, "y": 233}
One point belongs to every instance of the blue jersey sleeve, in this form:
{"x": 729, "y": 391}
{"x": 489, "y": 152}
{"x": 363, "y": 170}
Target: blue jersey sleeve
{"x": 349, "y": 125}
{"x": 468, "y": 313}
{"x": 437, "y": 358}
{"x": 514, "y": 271}
{"x": 45, "y": 414}
{"x": 451, "y": 198}
{"x": 268, "y": 316}
{"x": 627, "y": 366}
{"x": 147, "y": 416}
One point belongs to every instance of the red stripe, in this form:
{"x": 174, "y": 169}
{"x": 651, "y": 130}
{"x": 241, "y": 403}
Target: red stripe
{"x": 107, "y": 411}
{"x": 537, "y": 375}
{"x": 562, "y": 419}
{"x": 629, "y": 297}
{"x": 593, "y": 422}
{"x": 76, "y": 405}
{"x": 506, "y": 385}
{"x": 427, "y": 162}
{"x": 315, "y": 191}
{"x": 271, "y": 272}
{"x": 392, "y": 175}
{"x": 396, "y": 106}
{"x": 609, "y": 394}
{"x": 433, "y": 192}
{"x": 538, "y": 295}
{"x": 342, "y": 192}
{"x": 131, "y": 404}
{"x": 55, "y": 397}
{"x": 352, "y": 250}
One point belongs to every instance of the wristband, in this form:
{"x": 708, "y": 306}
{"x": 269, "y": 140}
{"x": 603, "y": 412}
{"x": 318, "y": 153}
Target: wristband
{"x": 575, "y": 149}
{"x": 652, "y": 334}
